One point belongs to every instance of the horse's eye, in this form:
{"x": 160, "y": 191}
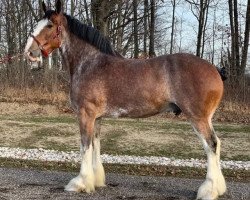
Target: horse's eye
{"x": 49, "y": 26}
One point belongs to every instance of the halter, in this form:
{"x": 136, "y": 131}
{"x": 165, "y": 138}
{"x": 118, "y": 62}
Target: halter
{"x": 41, "y": 46}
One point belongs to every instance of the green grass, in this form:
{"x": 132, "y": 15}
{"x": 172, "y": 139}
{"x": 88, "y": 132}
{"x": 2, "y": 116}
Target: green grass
{"x": 41, "y": 135}
{"x": 232, "y": 129}
{"x": 145, "y": 125}
{"x": 53, "y": 144}
{"x": 109, "y": 143}
{"x": 140, "y": 124}
{"x": 141, "y": 137}
{"x": 40, "y": 119}
{"x": 51, "y": 131}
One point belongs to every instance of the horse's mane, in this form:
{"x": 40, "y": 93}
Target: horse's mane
{"x": 87, "y": 33}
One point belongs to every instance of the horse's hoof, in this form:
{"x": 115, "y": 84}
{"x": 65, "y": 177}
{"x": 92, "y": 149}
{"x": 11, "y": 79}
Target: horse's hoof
{"x": 100, "y": 185}
{"x": 221, "y": 187}
{"x": 77, "y": 185}
{"x": 100, "y": 178}
{"x": 207, "y": 192}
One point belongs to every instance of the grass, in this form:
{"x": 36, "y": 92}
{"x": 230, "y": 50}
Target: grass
{"x": 141, "y": 137}
{"x": 51, "y": 131}
{"x": 232, "y": 129}
{"x": 147, "y": 124}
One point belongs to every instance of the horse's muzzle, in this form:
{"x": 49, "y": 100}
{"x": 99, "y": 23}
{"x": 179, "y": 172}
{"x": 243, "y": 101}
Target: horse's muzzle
{"x": 32, "y": 56}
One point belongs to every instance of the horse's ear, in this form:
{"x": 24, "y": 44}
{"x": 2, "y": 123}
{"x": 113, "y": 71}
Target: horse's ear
{"x": 44, "y": 6}
{"x": 58, "y": 6}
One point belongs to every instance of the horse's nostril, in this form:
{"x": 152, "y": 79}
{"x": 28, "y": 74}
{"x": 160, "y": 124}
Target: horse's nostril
{"x": 34, "y": 53}
{"x": 32, "y": 56}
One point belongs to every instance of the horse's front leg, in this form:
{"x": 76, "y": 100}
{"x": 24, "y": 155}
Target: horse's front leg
{"x": 85, "y": 181}
{"x": 97, "y": 162}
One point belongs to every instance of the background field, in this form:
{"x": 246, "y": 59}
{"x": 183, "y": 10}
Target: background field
{"x": 34, "y": 126}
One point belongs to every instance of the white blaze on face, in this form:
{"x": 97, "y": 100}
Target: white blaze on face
{"x": 40, "y": 26}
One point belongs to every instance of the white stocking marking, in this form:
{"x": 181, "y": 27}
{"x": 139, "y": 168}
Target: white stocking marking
{"x": 214, "y": 184}
{"x": 85, "y": 180}
{"x": 97, "y": 164}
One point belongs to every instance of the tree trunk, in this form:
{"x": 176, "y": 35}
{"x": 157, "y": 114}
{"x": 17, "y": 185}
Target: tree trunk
{"x": 173, "y": 25}
{"x": 136, "y": 45}
{"x": 119, "y": 29}
{"x": 232, "y": 56}
{"x": 99, "y": 10}
{"x": 236, "y": 40}
{"x": 87, "y": 13}
{"x": 206, "y": 8}
{"x": 145, "y": 25}
{"x": 72, "y": 7}
{"x": 32, "y": 10}
{"x": 246, "y": 39}
{"x": 213, "y": 39}
{"x": 204, "y": 5}
{"x": 152, "y": 29}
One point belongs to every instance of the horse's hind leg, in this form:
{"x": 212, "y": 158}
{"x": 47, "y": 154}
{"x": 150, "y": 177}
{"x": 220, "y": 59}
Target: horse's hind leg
{"x": 214, "y": 184}
{"x": 97, "y": 162}
{"x": 85, "y": 180}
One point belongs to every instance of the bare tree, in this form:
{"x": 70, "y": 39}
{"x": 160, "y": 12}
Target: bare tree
{"x": 152, "y": 29}
{"x": 145, "y": 24}
{"x": 99, "y": 10}
{"x": 246, "y": 39}
{"x": 87, "y": 12}
{"x": 237, "y": 62}
{"x": 173, "y": 2}
{"x": 201, "y": 15}
{"x": 135, "y": 33}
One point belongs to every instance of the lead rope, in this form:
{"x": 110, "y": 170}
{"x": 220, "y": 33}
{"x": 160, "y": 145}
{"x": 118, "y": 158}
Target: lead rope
{"x": 8, "y": 58}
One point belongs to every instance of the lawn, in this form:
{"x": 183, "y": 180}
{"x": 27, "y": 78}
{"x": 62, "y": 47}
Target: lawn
{"x": 142, "y": 137}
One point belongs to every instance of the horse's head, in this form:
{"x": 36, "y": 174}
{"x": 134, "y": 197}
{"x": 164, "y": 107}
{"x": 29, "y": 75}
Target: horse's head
{"x": 48, "y": 34}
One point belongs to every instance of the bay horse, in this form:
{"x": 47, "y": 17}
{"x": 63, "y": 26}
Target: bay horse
{"x": 104, "y": 84}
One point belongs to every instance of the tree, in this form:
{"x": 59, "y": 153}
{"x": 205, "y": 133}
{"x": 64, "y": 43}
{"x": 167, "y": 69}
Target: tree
{"x": 99, "y": 10}
{"x": 237, "y": 62}
{"x": 201, "y": 15}
{"x": 173, "y": 2}
{"x": 136, "y": 45}
{"x": 152, "y": 29}
{"x": 246, "y": 39}
{"x": 145, "y": 27}
{"x": 87, "y": 12}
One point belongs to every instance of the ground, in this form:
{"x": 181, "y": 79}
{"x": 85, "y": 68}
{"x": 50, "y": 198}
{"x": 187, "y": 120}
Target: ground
{"x": 23, "y": 184}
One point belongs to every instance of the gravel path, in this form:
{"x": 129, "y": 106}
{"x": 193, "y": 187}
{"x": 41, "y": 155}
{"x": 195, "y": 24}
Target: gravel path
{"x": 52, "y": 155}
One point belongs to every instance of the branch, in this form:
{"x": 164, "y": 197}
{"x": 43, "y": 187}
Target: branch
{"x": 32, "y": 10}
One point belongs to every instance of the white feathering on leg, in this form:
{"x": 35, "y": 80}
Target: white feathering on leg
{"x": 85, "y": 180}
{"x": 214, "y": 184}
{"x": 221, "y": 183}
{"x": 97, "y": 165}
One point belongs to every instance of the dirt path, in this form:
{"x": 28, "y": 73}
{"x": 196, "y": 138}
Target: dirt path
{"x": 23, "y": 184}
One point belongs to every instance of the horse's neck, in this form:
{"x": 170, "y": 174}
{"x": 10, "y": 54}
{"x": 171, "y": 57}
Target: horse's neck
{"x": 77, "y": 53}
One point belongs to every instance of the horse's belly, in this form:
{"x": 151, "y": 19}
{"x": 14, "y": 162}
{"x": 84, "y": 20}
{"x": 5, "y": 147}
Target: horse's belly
{"x": 136, "y": 111}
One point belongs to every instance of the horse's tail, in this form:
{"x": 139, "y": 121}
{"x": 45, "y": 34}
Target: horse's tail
{"x": 223, "y": 73}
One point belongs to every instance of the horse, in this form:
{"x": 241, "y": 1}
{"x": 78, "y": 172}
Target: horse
{"x": 105, "y": 84}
